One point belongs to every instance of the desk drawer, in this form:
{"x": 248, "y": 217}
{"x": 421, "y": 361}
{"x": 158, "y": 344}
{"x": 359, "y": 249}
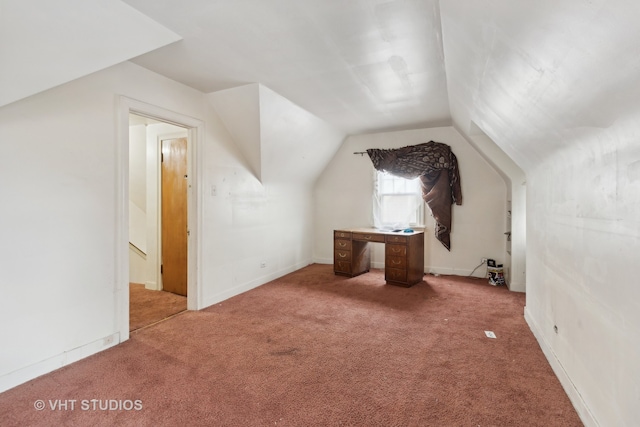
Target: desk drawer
{"x": 395, "y": 275}
{"x": 398, "y": 239}
{"x": 343, "y": 245}
{"x": 366, "y": 237}
{"x": 342, "y": 255}
{"x": 341, "y": 234}
{"x": 396, "y": 250}
{"x": 396, "y": 262}
{"x": 342, "y": 267}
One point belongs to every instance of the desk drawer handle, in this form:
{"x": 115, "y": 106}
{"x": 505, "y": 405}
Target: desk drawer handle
{"x": 342, "y": 255}
{"x": 396, "y": 262}
{"x": 396, "y": 251}
{"x": 341, "y": 244}
{"x": 367, "y": 237}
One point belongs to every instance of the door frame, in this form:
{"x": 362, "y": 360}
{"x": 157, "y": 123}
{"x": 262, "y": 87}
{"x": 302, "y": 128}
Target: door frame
{"x": 195, "y": 142}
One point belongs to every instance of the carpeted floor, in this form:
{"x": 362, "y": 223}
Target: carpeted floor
{"x": 148, "y": 307}
{"x": 314, "y": 349}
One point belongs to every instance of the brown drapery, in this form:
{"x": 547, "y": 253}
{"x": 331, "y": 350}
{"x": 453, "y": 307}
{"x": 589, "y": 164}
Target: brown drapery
{"x": 437, "y": 167}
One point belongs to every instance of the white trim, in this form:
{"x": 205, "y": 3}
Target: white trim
{"x": 237, "y": 290}
{"x": 574, "y": 395}
{"x": 378, "y": 195}
{"x": 151, "y": 285}
{"x": 449, "y": 271}
{"x": 28, "y": 373}
{"x": 196, "y": 133}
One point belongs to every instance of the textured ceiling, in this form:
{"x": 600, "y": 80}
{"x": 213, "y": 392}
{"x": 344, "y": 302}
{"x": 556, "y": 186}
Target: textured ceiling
{"x": 361, "y": 65}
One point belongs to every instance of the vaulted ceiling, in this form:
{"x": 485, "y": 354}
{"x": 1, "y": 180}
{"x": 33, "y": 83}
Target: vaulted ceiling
{"x": 44, "y": 44}
{"x": 361, "y": 65}
{"x": 531, "y": 75}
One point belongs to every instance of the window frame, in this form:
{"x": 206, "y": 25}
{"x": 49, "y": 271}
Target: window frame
{"x": 378, "y": 195}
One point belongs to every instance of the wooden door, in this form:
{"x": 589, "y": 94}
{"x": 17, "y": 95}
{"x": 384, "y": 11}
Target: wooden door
{"x": 174, "y": 215}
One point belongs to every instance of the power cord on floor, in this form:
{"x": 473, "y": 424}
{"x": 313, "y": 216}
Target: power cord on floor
{"x": 474, "y": 270}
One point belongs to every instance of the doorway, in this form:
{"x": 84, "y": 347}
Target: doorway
{"x": 158, "y": 220}
{"x": 195, "y": 142}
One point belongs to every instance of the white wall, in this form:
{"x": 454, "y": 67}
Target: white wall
{"x": 138, "y": 166}
{"x": 556, "y": 86}
{"x": 280, "y": 141}
{"x": 515, "y": 180}
{"x": 249, "y": 224}
{"x": 582, "y": 256}
{"x": 137, "y": 266}
{"x": 57, "y": 224}
{"x": 57, "y": 254}
{"x": 137, "y": 227}
{"x": 137, "y": 203}
{"x": 292, "y": 133}
{"x": 344, "y": 200}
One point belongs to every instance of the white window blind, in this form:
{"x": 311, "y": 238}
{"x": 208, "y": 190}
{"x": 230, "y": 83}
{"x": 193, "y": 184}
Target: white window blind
{"x": 397, "y": 202}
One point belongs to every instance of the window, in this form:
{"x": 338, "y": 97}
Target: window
{"x": 397, "y": 202}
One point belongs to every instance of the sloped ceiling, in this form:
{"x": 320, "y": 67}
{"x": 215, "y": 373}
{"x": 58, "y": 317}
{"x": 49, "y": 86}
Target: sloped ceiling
{"x": 46, "y": 43}
{"x": 269, "y": 128}
{"x": 239, "y": 109}
{"x": 532, "y": 76}
{"x": 360, "y": 65}
{"x": 290, "y": 132}
{"x": 535, "y": 76}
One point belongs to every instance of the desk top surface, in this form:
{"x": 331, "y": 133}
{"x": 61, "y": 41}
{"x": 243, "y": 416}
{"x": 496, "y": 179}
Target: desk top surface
{"x": 380, "y": 232}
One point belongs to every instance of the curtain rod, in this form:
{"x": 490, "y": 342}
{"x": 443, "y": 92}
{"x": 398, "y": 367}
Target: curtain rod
{"x": 362, "y": 153}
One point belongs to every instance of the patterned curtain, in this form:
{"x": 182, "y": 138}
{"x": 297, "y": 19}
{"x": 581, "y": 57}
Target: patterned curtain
{"x": 437, "y": 167}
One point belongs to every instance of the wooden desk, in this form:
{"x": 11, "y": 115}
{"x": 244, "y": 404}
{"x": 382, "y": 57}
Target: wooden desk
{"x": 403, "y": 260}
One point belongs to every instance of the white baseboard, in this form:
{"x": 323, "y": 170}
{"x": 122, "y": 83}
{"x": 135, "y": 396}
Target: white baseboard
{"x": 153, "y": 286}
{"x": 448, "y": 271}
{"x": 237, "y": 290}
{"x": 21, "y": 376}
{"x": 574, "y": 395}
{"x": 517, "y": 287}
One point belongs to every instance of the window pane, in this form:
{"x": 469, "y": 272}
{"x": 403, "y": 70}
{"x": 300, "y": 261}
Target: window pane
{"x": 396, "y": 186}
{"x": 390, "y": 184}
{"x": 398, "y": 201}
{"x": 398, "y": 209}
{"x": 415, "y": 185}
{"x": 387, "y": 185}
